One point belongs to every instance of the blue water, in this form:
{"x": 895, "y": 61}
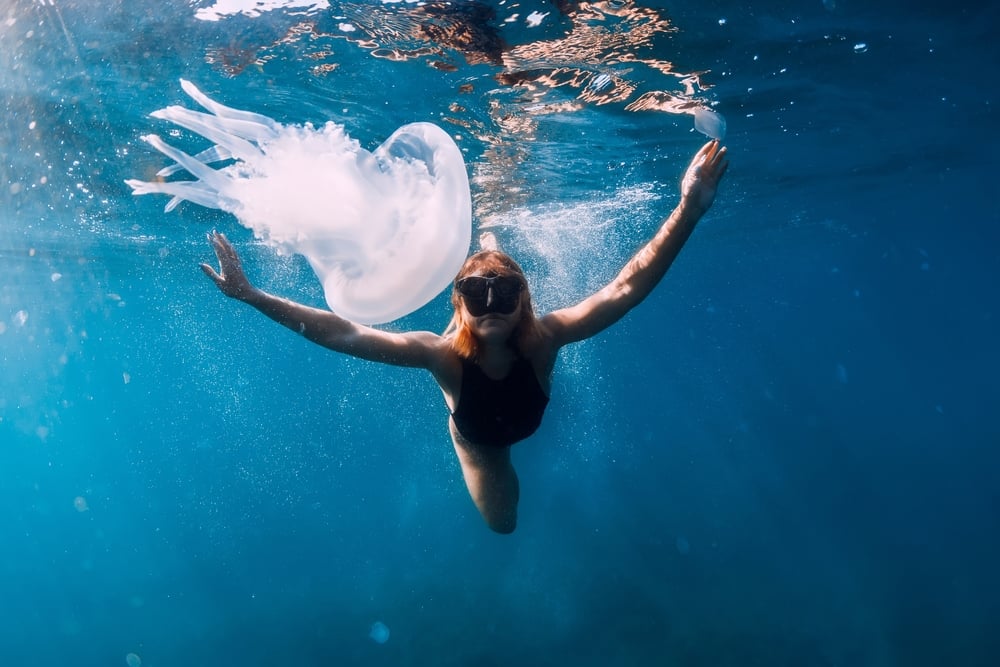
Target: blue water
{"x": 787, "y": 456}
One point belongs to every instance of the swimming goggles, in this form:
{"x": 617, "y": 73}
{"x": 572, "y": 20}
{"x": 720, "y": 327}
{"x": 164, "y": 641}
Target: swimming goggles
{"x": 497, "y": 294}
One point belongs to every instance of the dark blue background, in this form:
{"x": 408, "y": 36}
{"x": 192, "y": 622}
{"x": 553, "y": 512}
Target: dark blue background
{"x": 786, "y": 456}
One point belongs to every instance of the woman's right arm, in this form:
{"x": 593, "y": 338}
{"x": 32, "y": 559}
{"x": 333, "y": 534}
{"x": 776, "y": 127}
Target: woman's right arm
{"x": 416, "y": 349}
{"x": 647, "y": 267}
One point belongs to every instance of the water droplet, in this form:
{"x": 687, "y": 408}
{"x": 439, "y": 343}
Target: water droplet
{"x": 379, "y": 632}
{"x": 842, "y": 373}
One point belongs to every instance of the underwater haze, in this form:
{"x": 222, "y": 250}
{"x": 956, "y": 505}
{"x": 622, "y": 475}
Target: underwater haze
{"x": 787, "y": 455}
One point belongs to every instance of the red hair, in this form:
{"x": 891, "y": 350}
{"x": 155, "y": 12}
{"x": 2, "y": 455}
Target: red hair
{"x": 488, "y": 263}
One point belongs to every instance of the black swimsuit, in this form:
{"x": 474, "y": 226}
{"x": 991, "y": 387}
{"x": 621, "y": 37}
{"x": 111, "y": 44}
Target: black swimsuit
{"x": 499, "y": 412}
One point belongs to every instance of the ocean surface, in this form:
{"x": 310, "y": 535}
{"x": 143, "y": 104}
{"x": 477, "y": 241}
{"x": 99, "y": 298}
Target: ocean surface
{"x": 787, "y": 456}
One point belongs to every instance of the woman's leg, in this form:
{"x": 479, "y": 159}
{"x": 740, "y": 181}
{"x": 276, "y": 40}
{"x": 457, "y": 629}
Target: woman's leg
{"x": 492, "y": 483}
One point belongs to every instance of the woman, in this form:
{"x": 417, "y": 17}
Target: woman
{"x": 494, "y": 361}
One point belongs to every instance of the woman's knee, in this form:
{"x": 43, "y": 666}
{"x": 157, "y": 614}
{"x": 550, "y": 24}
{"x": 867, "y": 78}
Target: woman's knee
{"x": 493, "y": 485}
{"x": 503, "y": 523}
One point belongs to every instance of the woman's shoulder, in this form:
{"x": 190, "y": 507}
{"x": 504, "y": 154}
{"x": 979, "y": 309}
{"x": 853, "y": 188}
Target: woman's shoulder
{"x": 447, "y": 366}
{"x": 539, "y": 348}
{"x": 541, "y": 339}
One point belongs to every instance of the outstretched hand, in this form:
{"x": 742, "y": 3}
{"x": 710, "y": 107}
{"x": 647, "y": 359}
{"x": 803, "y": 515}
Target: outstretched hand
{"x": 230, "y": 279}
{"x": 702, "y": 177}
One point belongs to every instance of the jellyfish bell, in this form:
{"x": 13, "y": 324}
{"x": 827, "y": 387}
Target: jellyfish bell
{"x": 379, "y": 632}
{"x": 710, "y": 123}
{"x": 385, "y": 231}
{"x": 132, "y": 660}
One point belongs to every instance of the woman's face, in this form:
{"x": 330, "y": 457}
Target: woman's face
{"x": 492, "y": 293}
{"x": 492, "y": 303}
{"x": 494, "y": 327}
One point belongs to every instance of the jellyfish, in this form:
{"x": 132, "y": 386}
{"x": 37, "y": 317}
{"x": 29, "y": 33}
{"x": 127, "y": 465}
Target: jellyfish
{"x": 710, "y": 123}
{"x": 132, "y": 660}
{"x": 384, "y": 231}
{"x": 379, "y": 632}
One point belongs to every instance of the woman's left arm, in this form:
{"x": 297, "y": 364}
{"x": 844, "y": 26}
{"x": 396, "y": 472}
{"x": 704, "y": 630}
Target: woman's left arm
{"x": 643, "y": 272}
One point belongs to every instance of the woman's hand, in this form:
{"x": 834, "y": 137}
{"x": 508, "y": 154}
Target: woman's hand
{"x": 230, "y": 279}
{"x": 702, "y": 177}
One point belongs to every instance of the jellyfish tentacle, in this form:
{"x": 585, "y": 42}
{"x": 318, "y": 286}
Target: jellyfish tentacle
{"x": 197, "y": 169}
{"x": 192, "y": 191}
{"x": 207, "y": 156}
{"x": 229, "y": 113}
{"x": 221, "y": 133}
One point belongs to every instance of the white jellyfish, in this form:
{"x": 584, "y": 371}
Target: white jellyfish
{"x": 132, "y": 660}
{"x": 379, "y": 632}
{"x": 385, "y": 231}
{"x": 710, "y": 123}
